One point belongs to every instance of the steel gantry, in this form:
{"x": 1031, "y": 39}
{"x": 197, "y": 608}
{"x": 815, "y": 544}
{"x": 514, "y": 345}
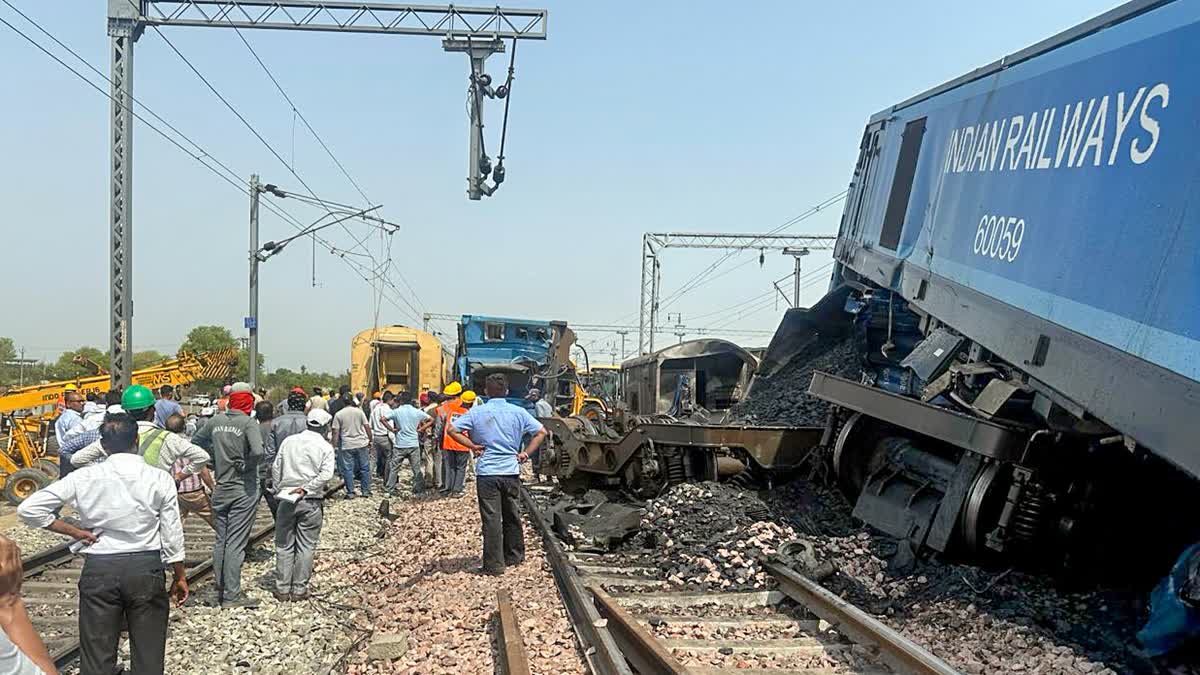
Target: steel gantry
{"x": 476, "y": 31}
{"x": 795, "y": 245}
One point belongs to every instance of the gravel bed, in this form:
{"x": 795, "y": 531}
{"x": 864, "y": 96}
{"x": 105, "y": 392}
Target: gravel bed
{"x": 33, "y": 540}
{"x": 277, "y": 638}
{"x": 423, "y": 584}
{"x": 852, "y": 659}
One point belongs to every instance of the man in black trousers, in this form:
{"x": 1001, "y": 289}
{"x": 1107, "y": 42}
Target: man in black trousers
{"x": 497, "y": 429}
{"x": 131, "y": 532}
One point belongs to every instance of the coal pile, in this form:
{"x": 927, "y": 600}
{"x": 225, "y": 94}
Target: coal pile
{"x": 709, "y": 536}
{"x": 782, "y": 399}
{"x": 981, "y": 620}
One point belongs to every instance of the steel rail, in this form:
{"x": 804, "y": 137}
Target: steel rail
{"x": 897, "y": 651}
{"x": 599, "y": 648}
{"x": 511, "y": 649}
{"x": 639, "y": 646}
{"x": 38, "y": 562}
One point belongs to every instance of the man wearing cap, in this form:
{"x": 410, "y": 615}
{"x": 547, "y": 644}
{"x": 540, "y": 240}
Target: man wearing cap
{"x": 497, "y": 429}
{"x": 541, "y": 408}
{"x": 235, "y": 440}
{"x": 303, "y": 464}
{"x": 159, "y": 447}
{"x": 407, "y": 423}
{"x": 454, "y": 453}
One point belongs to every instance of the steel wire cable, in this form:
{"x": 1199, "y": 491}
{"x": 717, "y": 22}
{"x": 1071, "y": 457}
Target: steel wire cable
{"x": 694, "y": 282}
{"x": 324, "y": 146}
{"x": 203, "y": 153}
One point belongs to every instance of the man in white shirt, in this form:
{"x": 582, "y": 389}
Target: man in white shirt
{"x": 382, "y": 439}
{"x": 303, "y": 464}
{"x": 131, "y": 531}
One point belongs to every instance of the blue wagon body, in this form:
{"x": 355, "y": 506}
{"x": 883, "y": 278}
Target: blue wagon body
{"x": 1048, "y": 206}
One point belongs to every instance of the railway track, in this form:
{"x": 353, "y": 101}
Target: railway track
{"x": 630, "y": 620}
{"x": 50, "y": 588}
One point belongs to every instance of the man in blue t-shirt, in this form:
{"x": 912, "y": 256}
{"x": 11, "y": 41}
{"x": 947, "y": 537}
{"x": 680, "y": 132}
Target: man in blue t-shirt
{"x": 496, "y": 430}
{"x": 407, "y": 422}
{"x": 165, "y": 406}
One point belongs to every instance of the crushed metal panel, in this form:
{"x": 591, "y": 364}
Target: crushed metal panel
{"x": 958, "y": 429}
{"x": 994, "y": 396}
{"x": 932, "y": 356}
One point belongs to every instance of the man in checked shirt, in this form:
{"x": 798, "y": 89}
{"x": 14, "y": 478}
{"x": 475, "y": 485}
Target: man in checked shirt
{"x": 193, "y": 497}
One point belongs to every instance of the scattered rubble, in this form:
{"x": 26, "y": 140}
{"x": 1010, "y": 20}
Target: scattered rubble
{"x": 780, "y": 399}
{"x": 711, "y": 536}
{"x": 592, "y": 522}
{"x": 980, "y": 620}
{"x": 420, "y": 580}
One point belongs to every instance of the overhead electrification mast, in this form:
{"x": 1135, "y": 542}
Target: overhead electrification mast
{"x": 654, "y": 242}
{"x": 477, "y": 31}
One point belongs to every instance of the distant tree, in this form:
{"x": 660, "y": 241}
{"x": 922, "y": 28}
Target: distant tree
{"x": 207, "y": 339}
{"x": 66, "y": 368}
{"x": 8, "y": 352}
{"x": 147, "y": 358}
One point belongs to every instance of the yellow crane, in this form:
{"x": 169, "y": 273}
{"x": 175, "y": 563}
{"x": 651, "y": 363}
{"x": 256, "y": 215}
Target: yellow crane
{"x": 25, "y": 466}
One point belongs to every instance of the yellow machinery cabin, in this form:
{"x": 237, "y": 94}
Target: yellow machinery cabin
{"x": 397, "y": 358}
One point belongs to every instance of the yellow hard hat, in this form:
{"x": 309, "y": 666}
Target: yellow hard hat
{"x": 469, "y": 396}
{"x": 452, "y": 389}
{"x": 70, "y": 387}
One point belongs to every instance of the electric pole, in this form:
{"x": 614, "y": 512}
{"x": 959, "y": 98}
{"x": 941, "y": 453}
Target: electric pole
{"x": 653, "y": 243}
{"x": 622, "y": 333}
{"x": 251, "y": 321}
{"x": 128, "y": 19}
{"x": 797, "y": 254}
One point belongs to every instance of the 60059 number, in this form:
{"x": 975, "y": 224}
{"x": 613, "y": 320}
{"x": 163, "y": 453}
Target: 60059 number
{"x": 999, "y": 237}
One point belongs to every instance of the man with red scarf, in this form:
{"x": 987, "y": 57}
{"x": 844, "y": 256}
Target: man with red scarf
{"x": 234, "y": 440}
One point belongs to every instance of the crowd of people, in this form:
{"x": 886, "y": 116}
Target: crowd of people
{"x": 134, "y": 467}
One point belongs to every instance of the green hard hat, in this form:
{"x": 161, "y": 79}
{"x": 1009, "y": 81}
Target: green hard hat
{"x": 137, "y": 397}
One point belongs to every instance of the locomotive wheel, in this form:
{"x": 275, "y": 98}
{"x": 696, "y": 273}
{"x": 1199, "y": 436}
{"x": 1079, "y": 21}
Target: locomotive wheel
{"x": 856, "y": 454}
{"x": 982, "y": 508}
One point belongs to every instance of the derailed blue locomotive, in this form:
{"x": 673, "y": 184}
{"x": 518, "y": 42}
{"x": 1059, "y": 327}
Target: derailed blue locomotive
{"x": 1018, "y": 260}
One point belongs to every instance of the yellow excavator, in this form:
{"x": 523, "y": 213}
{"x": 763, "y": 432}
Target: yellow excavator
{"x": 28, "y": 412}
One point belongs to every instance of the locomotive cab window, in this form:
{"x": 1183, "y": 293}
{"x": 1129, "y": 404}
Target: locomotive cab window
{"x": 902, "y": 180}
{"x": 493, "y": 332}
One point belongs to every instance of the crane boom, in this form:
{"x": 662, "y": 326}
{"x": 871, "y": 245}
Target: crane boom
{"x": 184, "y": 369}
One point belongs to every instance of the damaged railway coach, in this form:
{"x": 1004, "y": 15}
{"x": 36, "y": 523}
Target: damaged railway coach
{"x": 1017, "y": 265}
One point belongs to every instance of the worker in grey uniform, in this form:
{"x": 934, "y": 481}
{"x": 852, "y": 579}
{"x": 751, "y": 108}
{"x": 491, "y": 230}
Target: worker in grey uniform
{"x": 235, "y": 441}
{"x": 303, "y": 465}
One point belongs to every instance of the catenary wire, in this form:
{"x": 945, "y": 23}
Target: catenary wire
{"x": 695, "y": 281}
{"x": 200, "y": 158}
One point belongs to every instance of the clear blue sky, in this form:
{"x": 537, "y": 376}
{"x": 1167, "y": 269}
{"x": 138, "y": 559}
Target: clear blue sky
{"x": 631, "y": 117}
